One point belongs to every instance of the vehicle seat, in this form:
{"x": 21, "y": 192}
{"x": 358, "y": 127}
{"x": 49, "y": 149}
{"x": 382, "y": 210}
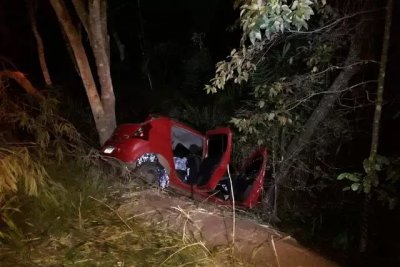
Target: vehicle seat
{"x": 193, "y": 164}
{"x": 180, "y": 151}
{"x": 207, "y": 168}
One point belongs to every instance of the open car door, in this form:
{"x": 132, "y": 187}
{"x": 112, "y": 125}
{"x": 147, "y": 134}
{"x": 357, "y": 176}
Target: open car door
{"x": 249, "y": 184}
{"x": 218, "y": 155}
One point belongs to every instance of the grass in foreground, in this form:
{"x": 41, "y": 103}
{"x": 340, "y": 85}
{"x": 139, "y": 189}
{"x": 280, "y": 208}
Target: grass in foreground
{"x": 76, "y": 224}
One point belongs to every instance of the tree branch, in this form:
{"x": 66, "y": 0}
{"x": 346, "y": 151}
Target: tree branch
{"x": 21, "y": 79}
{"x": 82, "y": 12}
{"x": 320, "y": 112}
{"x": 39, "y": 43}
{"x": 300, "y": 101}
{"x": 337, "y": 21}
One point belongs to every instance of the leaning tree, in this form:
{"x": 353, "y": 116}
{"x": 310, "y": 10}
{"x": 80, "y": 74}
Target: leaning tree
{"x": 93, "y": 16}
{"x": 291, "y": 56}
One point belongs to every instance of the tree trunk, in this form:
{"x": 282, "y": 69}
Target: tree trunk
{"x": 364, "y": 225}
{"x": 39, "y": 43}
{"x": 297, "y": 145}
{"x": 142, "y": 42}
{"x": 99, "y": 42}
{"x": 102, "y": 108}
{"x": 381, "y": 83}
{"x": 82, "y": 11}
{"x": 371, "y": 172}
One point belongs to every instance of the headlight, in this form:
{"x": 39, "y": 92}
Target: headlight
{"x": 108, "y": 150}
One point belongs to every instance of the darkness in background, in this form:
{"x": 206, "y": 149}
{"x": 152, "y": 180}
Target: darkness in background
{"x": 168, "y": 27}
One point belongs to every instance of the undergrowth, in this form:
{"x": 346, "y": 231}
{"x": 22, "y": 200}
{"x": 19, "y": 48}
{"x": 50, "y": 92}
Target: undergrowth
{"x": 76, "y": 223}
{"x": 58, "y": 205}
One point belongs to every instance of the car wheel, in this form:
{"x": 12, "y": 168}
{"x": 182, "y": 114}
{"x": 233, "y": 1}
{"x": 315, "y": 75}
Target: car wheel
{"x": 147, "y": 172}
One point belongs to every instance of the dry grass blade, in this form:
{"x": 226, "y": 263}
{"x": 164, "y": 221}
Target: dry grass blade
{"x": 187, "y": 216}
{"x": 275, "y": 252}
{"x": 188, "y": 219}
{"x": 141, "y": 214}
{"x": 233, "y": 210}
{"x": 113, "y": 210}
{"x": 185, "y": 247}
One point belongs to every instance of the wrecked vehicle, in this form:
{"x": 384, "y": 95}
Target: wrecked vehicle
{"x": 188, "y": 160}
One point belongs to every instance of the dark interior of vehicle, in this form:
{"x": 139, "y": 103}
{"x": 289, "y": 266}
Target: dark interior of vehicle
{"x": 193, "y": 161}
{"x": 200, "y": 171}
{"x": 187, "y": 150}
{"x": 193, "y": 164}
{"x": 207, "y": 168}
{"x": 217, "y": 145}
{"x": 181, "y": 151}
{"x": 242, "y": 183}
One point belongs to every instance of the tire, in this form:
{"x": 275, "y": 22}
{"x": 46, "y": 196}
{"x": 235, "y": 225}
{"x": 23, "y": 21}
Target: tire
{"x": 147, "y": 172}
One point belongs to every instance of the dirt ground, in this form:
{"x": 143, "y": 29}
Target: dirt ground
{"x": 255, "y": 244}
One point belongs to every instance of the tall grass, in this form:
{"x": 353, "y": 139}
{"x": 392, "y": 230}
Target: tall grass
{"x": 32, "y": 135}
{"x": 76, "y": 224}
{"x": 19, "y": 170}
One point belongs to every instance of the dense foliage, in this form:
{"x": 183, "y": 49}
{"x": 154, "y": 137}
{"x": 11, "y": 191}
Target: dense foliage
{"x": 290, "y": 69}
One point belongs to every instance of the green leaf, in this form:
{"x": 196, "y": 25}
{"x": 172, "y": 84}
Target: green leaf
{"x": 367, "y": 186}
{"x": 354, "y": 177}
{"x": 294, "y": 5}
{"x": 271, "y": 116}
{"x": 355, "y": 186}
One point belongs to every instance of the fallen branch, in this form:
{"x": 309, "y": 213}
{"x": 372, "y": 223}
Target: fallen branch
{"x": 21, "y": 79}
